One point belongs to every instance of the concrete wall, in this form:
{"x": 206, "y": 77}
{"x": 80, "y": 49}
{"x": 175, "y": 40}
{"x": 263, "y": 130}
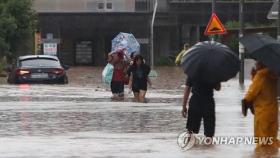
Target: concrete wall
{"x": 87, "y": 6}
{"x": 100, "y": 30}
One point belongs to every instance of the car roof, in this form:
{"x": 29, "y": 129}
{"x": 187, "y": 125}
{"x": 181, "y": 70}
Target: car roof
{"x": 26, "y": 57}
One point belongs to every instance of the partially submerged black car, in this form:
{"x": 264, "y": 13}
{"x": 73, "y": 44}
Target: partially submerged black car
{"x": 38, "y": 69}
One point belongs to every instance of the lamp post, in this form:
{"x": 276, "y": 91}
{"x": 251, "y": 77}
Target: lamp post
{"x": 153, "y": 73}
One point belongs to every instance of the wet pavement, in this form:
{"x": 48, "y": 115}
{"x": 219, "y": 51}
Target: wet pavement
{"x": 80, "y": 120}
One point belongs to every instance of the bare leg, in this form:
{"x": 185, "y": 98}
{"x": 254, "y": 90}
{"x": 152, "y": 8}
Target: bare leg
{"x": 121, "y": 96}
{"x": 142, "y": 96}
{"x": 136, "y": 97}
{"x": 115, "y": 96}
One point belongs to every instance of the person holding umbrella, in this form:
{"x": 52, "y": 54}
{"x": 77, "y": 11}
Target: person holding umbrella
{"x": 206, "y": 64}
{"x": 119, "y": 71}
{"x": 201, "y": 106}
{"x": 262, "y": 98}
{"x": 130, "y": 46}
{"x": 262, "y": 93}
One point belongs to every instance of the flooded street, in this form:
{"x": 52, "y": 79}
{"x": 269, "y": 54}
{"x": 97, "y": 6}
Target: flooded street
{"x": 80, "y": 120}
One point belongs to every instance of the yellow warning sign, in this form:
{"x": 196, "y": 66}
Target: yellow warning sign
{"x": 215, "y": 26}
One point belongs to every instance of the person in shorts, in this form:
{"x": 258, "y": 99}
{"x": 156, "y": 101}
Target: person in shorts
{"x": 138, "y": 73}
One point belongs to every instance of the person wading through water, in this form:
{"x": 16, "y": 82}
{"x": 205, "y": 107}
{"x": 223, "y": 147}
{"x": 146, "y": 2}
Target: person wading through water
{"x": 201, "y": 106}
{"x": 139, "y": 79}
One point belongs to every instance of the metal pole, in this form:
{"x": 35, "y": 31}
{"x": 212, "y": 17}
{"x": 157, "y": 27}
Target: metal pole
{"x": 214, "y": 6}
{"x": 278, "y": 39}
{"x": 278, "y": 22}
{"x": 213, "y": 11}
{"x": 241, "y": 47}
{"x": 153, "y": 73}
{"x": 152, "y": 35}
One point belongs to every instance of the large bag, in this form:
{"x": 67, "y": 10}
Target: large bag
{"x": 107, "y": 73}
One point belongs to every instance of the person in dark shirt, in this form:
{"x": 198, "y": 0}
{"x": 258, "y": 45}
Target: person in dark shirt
{"x": 201, "y": 106}
{"x": 138, "y": 73}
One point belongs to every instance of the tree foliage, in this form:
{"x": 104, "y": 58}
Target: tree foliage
{"x": 17, "y": 23}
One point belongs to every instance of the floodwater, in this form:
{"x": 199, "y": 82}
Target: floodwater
{"x": 80, "y": 120}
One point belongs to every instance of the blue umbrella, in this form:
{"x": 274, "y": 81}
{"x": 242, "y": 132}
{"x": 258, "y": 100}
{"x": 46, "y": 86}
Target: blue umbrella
{"x": 125, "y": 41}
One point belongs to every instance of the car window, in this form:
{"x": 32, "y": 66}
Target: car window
{"x": 39, "y": 63}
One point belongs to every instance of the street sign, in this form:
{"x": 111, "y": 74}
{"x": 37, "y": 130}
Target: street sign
{"x": 214, "y": 26}
{"x": 37, "y": 42}
{"x": 273, "y": 13}
{"x": 50, "y": 49}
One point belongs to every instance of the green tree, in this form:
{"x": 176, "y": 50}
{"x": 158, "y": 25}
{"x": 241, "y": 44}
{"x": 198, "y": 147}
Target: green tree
{"x": 17, "y": 24}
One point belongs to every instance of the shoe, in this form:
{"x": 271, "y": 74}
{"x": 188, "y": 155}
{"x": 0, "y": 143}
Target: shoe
{"x": 244, "y": 108}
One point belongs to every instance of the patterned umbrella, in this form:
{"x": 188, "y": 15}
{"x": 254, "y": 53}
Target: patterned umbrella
{"x": 125, "y": 41}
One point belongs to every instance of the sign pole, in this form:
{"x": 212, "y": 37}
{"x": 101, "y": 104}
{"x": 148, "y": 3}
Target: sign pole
{"x": 213, "y": 11}
{"x": 278, "y": 22}
{"x": 241, "y": 47}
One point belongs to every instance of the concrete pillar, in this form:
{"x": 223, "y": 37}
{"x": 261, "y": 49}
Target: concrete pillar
{"x": 197, "y": 33}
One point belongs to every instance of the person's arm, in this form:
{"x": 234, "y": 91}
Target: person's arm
{"x": 149, "y": 81}
{"x": 185, "y": 101}
{"x": 253, "y": 72}
{"x": 255, "y": 88}
{"x": 130, "y": 81}
{"x": 218, "y": 87}
{"x": 125, "y": 67}
{"x": 148, "y": 69}
{"x": 126, "y": 56}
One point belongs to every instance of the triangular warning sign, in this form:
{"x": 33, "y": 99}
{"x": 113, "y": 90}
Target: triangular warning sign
{"x": 215, "y": 26}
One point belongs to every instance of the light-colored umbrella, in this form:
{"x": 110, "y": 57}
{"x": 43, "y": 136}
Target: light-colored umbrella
{"x": 125, "y": 41}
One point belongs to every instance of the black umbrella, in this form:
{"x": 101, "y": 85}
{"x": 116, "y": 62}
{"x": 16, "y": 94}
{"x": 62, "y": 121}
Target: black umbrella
{"x": 210, "y": 62}
{"x": 263, "y": 48}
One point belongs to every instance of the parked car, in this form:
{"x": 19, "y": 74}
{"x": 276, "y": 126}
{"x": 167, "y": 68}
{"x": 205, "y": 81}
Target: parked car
{"x": 38, "y": 69}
